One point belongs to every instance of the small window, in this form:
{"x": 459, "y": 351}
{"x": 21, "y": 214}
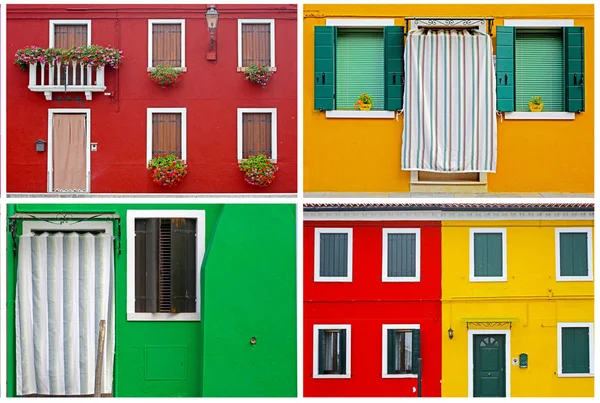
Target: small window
{"x": 401, "y": 350}
{"x": 166, "y": 43}
{"x": 574, "y": 254}
{"x": 401, "y": 254}
{"x": 333, "y": 254}
{"x": 331, "y": 351}
{"x": 256, "y": 43}
{"x": 488, "y": 254}
{"x": 65, "y": 34}
{"x": 166, "y": 132}
{"x": 576, "y": 349}
{"x": 257, "y": 132}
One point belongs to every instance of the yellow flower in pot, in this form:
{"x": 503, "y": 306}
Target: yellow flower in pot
{"x": 536, "y": 104}
{"x": 364, "y": 102}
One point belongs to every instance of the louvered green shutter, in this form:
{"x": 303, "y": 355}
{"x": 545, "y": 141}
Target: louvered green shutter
{"x": 575, "y": 350}
{"x": 391, "y": 351}
{"x": 394, "y": 67}
{"x": 573, "y": 254}
{"x": 505, "y": 69}
{"x": 342, "y": 341}
{"x": 574, "y": 66}
{"x": 416, "y": 350}
{"x": 183, "y": 265}
{"x": 321, "y": 352}
{"x": 324, "y": 68}
{"x": 487, "y": 258}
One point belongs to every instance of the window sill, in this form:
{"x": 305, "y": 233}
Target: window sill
{"x": 360, "y": 114}
{"x": 575, "y": 278}
{"x": 163, "y": 317}
{"x": 401, "y": 279}
{"x": 331, "y": 376}
{"x": 333, "y": 280}
{"x": 399, "y": 376}
{"x": 487, "y": 279}
{"x": 184, "y": 69}
{"x": 243, "y": 69}
{"x": 274, "y": 161}
{"x": 539, "y": 115}
{"x": 575, "y": 375}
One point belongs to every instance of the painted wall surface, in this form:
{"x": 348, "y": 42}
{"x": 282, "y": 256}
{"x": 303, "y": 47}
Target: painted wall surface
{"x": 363, "y": 155}
{"x": 366, "y": 304}
{"x": 531, "y": 297}
{"x": 211, "y": 92}
{"x": 225, "y": 328}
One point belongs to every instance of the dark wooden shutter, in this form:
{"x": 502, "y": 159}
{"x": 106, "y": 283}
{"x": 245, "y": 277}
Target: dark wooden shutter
{"x": 183, "y": 265}
{"x": 487, "y": 255}
{"x": 166, "y": 134}
{"x": 146, "y": 265}
{"x": 505, "y": 69}
{"x": 402, "y": 256}
{"x": 573, "y": 254}
{"x": 391, "y": 351}
{"x": 68, "y": 36}
{"x": 166, "y": 45}
{"x": 321, "y": 352}
{"x": 343, "y": 358}
{"x": 324, "y": 68}
{"x": 416, "y": 350}
{"x": 573, "y": 43}
{"x": 394, "y": 67}
{"x": 575, "y": 350}
{"x": 256, "y": 134}
{"x": 256, "y": 44}
{"x": 333, "y": 255}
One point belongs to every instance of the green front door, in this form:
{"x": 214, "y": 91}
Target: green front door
{"x": 489, "y": 361}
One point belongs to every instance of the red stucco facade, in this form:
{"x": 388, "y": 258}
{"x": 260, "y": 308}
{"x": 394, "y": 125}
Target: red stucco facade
{"x": 211, "y": 92}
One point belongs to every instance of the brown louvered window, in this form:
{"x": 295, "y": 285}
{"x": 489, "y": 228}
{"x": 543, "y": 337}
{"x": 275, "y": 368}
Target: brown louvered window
{"x": 256, "y": 44}
{"x": 166, "y": 134}
{"x": 67, "y": 36}
{"x": 166, "y": 45}
{"x": 165, "y": 265}
{"x": 256, "y": 134}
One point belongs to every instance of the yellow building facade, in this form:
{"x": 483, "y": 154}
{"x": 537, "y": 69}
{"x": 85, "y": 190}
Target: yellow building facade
{"x": 364, "y": 154}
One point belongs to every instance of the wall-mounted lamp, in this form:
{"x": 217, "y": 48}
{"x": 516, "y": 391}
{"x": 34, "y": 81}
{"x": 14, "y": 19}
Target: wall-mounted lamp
{"x": 40, "y": 146}
{"x": 212, "y": 18}
{"x": 450, "y": 333}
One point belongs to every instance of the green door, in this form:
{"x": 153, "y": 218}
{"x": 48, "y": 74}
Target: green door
{"x": 489, "y": 361}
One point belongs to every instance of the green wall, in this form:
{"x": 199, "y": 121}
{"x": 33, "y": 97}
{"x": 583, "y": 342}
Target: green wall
{"x": 248, "y": 282}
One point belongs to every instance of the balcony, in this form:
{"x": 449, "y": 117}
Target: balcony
{"x": 71, "y": 77}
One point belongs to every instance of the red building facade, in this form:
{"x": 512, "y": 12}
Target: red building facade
{"x": 384, "y": 319}
{"x": 211, "y": 110}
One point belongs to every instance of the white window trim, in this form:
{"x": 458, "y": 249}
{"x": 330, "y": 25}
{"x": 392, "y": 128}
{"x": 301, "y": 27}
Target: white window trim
{"x": 384, "y": 350}
{"x": 316, "y": 329}
{"x": 239, "y": 42}
{"x": 360, "y": 114}
{"x": 348, "y": 22}
{"x": 149, "y": 112}
{"x": 539, "y": 23}
{"x": 590, "y": 326}
{"x": 472, "y": 277}
{"x": 590, "y": 260}
{"x": 88, "y": 125}
{"x": 30, "y": 226}
{"x": 152, "y": 22}
{"x": 318, "y": 277}
{"x": 54, "y": 23}
{"x": 384, "y": 266}
{"x": 132, "y": 215}
{"x": 470, "y": 334}
{"x": 240, "y": 130}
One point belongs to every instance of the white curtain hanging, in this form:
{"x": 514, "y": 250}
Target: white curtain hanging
{"x": 449, "y": 102}
{"x": 65, "y": 286}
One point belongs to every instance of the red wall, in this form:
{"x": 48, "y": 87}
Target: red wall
{"x": 210, "y": 91}
{"x": 367, "y": 303}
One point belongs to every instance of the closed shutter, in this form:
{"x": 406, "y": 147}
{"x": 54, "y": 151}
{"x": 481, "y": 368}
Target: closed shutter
{"x": 166, "y": 134}
{"x": 321, "y": 352}
{"x": 68, "y": 36}
{"x": 573, "y": 254}
{"x": 256, "y": 132}
{"x": 391, "y": 351}
{"x": 183, "y": 265}
{"x": 256, "y": 45}
{"x": 416, "y": 350}
{"x": 342, "y": 355}
{"x": 324, "y": 83}
{"x": 575, "y": 350}
{"x": 402, "y": 259}
{"x": 166, "y": 45}
{"x": 574, "y": 65}
{"x": 146, "y": 265}
{"x": 394, "y": 67}
{"x": 333, "y": 255}
{"x": 488, "y": 255}
{"x": 505, "y": 69}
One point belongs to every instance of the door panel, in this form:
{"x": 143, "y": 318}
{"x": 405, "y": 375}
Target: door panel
{"x": 69, "y": 153}
{"x": 489, "y": 362}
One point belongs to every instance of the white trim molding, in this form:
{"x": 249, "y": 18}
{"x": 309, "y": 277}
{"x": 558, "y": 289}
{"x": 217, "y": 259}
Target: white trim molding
{"x": 590, "y": 260}
{"x": 241, "y": 22}
{"x": 486, "y": 279}
{"x": 384, "y": 349}
{"x": 317, "y": 262}
{"x": 359, "y": 23}
{"x": 559, "y": 327}
{"x": 360, "y": 114}
{"x": 149, "y": 113}
{"x": 384, "y": 258}
{"x": 507, "y": 351}
{"x": 539, "y": 23}
{"x": 177, "y": 21}
{"x": 132, "y": 215}
{"x": 539, "y": 115}
{"x": 240, "y": 130}
{"x": 316, "y": 328}
{"x": 54, "y": 23}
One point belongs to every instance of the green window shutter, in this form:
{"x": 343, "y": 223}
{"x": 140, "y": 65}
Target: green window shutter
{"x": 342, "y": 357}
{"x": 183, "y": 265}
{"x": 505, "y": 69}
{"x": 391, "y": 351}
{"x": 575, "y": 350}
{"x": 394, "y": 67}
{"x": 321, "y": 352}
{"x": 416, "y": 350}
{"x": 324, "y": 68}
{"x": 488, "y": 255}
{"x": 574, "y": 65}
{"x": 573, "y": 254}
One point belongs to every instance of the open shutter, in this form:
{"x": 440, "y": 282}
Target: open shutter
{"x": 416, "y": 350}
{"x": 391, "y": 351}
{"x": 324, "y": 68}
{"x": 505, "y": 69}
{"x": 321, "y": 351}
{"x": 574, "y": 69}
{"x": 342, "y": 341}
{"x": 183, "y": 265}
{"x": 146, "y": 265}
{"x": 394, "y": 67}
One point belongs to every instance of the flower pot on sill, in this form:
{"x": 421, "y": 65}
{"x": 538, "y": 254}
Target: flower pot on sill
{"x": 535, "y": 108}
{"x": 365, "y": 107}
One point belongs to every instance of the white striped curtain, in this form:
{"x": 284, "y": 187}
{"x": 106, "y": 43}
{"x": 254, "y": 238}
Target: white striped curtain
{"x": 449, "y": 102}
{"x": 65, "y": 286}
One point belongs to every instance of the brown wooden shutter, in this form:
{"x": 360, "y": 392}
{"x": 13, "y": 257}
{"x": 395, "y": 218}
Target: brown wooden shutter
{"x": 256, "y": 44}
{"x": 67, "y": 36}
{"x": 256, "y": 134}
{"x": 166, "y": 134}
{"x": 166, "y": 45}
{"x": 146, "y": 265}
{"x": 183, "y": 268}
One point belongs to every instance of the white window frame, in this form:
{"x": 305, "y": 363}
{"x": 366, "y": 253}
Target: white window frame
{"x": 132, "y": 215}
{"x": 384, "y": 267}
{"x": 239, "y": 41}
{"x": 538, "y": 115}
{"x": 176, "y": 21}
{"x": 472, "y": 276}
{"x": 316, "y": 328}
{"x": 590, "y": 260}
{"x": 559, "y": 327}
{"x": 149, "y": 113}
{"x": 240, "y": 130}
{"x": 318, "y": 277}
{"x": 471, "y": 364}
{"x": 54, "y": 23}
{"x": 384, "y": 349}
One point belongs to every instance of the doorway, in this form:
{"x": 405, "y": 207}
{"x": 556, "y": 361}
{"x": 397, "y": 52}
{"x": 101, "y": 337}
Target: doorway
{"x": 489, "y": 363}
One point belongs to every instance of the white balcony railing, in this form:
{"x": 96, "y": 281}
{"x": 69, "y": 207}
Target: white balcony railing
{"x": 66, "y": 78}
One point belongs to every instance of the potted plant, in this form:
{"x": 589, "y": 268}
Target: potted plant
{"x": 364, "y": 102}
{"x": 164, "y": 75}
{"x": 258, "y": 170}
{"x": 536, "y": 104}
{"x": 167, "y": 170}
{"x": 93, "y": 55}
{"x": 258, "y": 74}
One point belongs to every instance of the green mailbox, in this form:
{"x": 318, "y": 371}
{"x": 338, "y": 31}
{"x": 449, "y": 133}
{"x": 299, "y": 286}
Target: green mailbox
{"x": 523, "y": 360}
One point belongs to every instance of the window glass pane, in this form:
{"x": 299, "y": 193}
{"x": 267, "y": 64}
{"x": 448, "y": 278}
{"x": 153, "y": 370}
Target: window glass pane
{"x": 573, "y": 254}
{"x": 403, "y": 356}
{"x": 334, "y": 255}
{"x": 402, "y": 257}
{"x": 488, "y": 255}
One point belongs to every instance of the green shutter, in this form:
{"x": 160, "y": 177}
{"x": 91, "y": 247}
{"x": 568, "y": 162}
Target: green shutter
{"x": 342, "y": 341}
{"x": 573, "y": 254}
{"x": 505, "y": 69}
{"x": 321, "y": 352}
{"x": 574, "y": 51}
{"x": 324, "y": 68}
{"x": 393, "y": 38}
{"x": 488, "y": 255}
{"x": 416, "y": 350}
{"x": 391, "y": 351}
{"x": 575, "y": 350}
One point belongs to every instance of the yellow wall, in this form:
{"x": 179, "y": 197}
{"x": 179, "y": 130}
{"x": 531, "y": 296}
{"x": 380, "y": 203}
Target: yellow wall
{"x": 530, "y": 295}
{"x": 363, "y": 155}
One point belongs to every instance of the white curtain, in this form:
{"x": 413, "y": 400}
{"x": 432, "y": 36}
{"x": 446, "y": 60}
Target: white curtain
{"x": 65, "y": 286}
{"x": 449, "y": 102}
